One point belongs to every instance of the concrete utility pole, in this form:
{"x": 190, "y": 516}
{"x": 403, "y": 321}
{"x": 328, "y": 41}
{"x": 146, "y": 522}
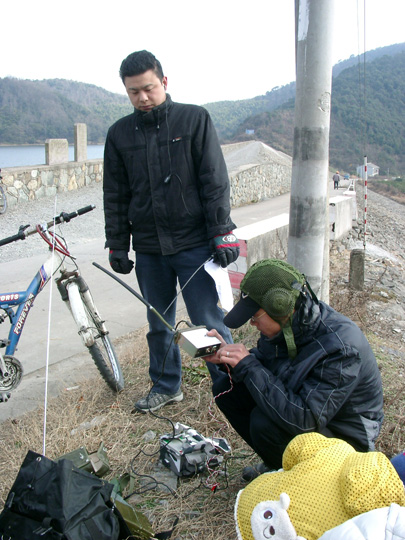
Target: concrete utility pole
{"x": 308, "y": 242}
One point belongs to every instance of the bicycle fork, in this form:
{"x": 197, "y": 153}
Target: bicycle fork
{"x": 76, "y": 294}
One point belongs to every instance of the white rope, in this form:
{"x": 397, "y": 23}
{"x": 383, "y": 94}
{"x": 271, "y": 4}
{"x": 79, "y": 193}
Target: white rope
{"x": 365, "y": 203}
{"x": 48, "y": 340}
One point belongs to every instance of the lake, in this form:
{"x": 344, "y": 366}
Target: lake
{"x": 19, "y": 156}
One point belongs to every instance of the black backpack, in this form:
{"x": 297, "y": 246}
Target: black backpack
{"x": 57, "y": 501}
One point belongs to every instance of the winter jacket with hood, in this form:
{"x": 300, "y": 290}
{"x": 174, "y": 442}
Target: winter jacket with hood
{"x": 165, "y": 181}
{"x": 333, "y": 381}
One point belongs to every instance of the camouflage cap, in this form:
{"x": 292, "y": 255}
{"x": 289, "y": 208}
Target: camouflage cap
{"x": 273, "y": 285}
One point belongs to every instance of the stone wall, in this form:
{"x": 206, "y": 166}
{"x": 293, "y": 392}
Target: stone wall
{"x": 256, "y": 172}
{"x": 31, "y": 183}
{"x": 259, "y": 183}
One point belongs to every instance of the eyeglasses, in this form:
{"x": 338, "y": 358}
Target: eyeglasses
{"x": 254, "y": 319}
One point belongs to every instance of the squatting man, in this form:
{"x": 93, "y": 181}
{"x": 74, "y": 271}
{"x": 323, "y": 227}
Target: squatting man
{"x": 166, "y": 188}
{"x": 312, "y": 369}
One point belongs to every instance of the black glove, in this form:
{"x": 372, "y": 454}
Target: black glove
{"x": 225, "y": 249}
{"x": 119, "y": 261}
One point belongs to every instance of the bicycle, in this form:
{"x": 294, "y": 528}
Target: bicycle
{"x": 76, "y": 295}
{"x": 3, "y": 198}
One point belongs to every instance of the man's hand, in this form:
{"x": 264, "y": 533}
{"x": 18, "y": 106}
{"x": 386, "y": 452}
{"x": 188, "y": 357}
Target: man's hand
{"x": 215, "y": 358}
{"x": 225, "y": 248}
{"x": 119, "y": 261}
{"x": 228, "y": 353}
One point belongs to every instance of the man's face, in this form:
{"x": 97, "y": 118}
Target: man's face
{"x": 265, "y": 324}
{"x": 146, "y": 91}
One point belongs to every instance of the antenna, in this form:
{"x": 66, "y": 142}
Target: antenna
{"x": 194, "y": 340}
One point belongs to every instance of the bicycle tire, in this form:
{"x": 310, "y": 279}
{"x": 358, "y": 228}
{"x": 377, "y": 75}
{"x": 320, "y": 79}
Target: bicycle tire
{"x": 107, "y": 363}
{"x": 103, "y": 353}
{"x": 3, "y": 201}
{"x": 15, "y": 374}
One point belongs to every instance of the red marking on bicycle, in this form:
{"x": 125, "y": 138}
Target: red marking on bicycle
{"x": 43, "y": 278}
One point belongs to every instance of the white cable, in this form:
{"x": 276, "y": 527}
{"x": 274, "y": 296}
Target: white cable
{"x": 186, "y": 283}
{"x": 48, "y": 340}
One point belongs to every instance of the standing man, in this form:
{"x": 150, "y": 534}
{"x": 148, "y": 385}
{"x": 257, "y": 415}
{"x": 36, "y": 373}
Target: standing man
{"x": 336, "y": 179}
{"x": 166, "y": 186}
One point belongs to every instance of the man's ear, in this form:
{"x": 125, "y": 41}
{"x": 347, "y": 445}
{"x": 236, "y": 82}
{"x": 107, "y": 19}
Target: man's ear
{"x": 164, "y": 83}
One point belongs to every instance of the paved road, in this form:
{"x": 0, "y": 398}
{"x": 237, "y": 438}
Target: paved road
{"x": 123, "y": 311}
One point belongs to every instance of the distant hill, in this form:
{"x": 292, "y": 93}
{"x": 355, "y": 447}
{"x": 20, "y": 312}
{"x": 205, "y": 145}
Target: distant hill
{"x": 228, "y": 115}
{"x": 375, "y": 127}
{"x": 33, "y": 111}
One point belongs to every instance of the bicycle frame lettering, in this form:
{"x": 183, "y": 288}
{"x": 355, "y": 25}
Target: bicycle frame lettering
{"x": 17, "y": 305}
{"x": 8, "y": 297}
{"x": 21, "y": 319}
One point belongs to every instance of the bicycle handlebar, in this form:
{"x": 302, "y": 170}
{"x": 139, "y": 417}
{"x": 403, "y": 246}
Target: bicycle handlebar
{"x": 63, "y": 217}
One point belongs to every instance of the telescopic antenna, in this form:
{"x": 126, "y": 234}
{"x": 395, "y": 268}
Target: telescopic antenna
{"x": 141, "y": 298}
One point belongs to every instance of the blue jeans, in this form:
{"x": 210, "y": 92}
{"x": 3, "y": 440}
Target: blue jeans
{"x": 157, "y": 277}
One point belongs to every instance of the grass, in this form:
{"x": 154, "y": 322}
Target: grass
{"x": 200, "y": 506}
{"x": 204, "y": 504}
{"x": 394, "y": 189}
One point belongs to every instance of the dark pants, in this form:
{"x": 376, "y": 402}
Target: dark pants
{"x": 266, "y": 438}
{"x": 157, "y": 277}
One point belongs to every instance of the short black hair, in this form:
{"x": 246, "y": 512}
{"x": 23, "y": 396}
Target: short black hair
{"x": 138, "y": 62}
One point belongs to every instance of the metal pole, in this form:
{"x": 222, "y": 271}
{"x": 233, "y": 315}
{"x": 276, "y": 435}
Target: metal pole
{"x": 308, "y": 243}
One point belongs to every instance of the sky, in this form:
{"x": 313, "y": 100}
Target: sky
{"x": 210, "y": 50}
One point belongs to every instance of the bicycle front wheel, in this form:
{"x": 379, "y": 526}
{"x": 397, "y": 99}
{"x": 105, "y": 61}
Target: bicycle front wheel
{"x": 3, "y": 201}
{"x": 104, "y": 357}
{"x": 94, "y": 334}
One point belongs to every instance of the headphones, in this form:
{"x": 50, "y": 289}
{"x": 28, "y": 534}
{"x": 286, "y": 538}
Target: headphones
{"x": 279, "y": 302}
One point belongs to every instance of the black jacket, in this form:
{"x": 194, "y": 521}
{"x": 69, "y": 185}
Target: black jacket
{"x": 333, "y": 382}
{"x": 165, "y": 181}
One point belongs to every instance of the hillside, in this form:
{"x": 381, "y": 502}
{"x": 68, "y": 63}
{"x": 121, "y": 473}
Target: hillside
{"x": 363, "y": 121}
{"x": 227, "y": 115}
{"x": 33, "y": 111}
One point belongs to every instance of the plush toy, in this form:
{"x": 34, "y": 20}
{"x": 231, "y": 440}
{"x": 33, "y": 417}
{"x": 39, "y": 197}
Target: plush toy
{"x": 270, "y": 519}
{"x": 327, "y": 483}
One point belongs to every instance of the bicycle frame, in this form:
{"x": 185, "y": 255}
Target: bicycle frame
{"x": 17, "y": 305}
{"x": 69, "y": 286}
